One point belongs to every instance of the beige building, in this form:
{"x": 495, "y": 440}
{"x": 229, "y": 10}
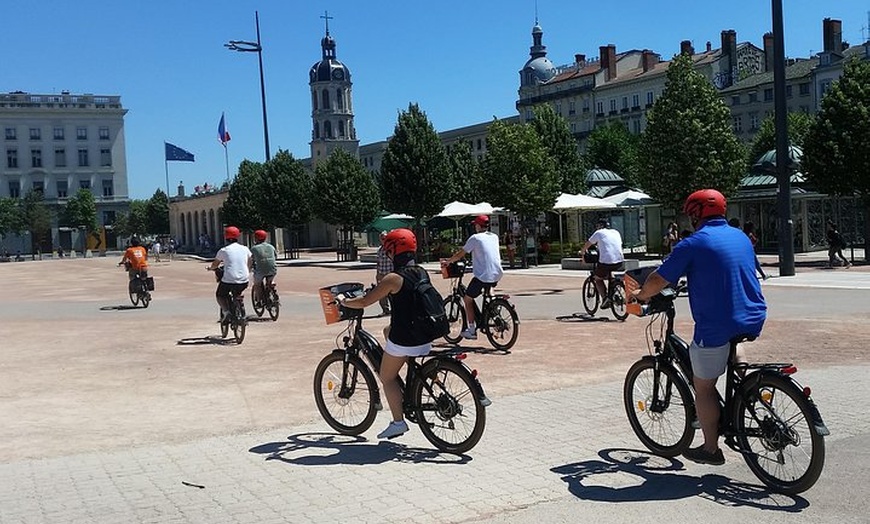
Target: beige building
{"x": 195, "y": 221}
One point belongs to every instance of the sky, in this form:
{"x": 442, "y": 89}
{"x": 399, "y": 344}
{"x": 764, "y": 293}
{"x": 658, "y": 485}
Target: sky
{"x": 459, "y": 60}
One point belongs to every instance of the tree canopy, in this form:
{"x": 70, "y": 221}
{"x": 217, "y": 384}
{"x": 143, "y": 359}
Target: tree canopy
{"x": 344, "y": 191}
{"x": 688, "y": 143}
{"x": 765, "y": 139}
{"x": 157, "y": 213}
{"x": 556, "y": 137}
{"x": 284, "y": 193}
{"x": 241, "y": 207}
{"x": 81, "y": 210}
{"x": 135, "y": 221}
{"x": 465, "y": 173}
{"x": 613, "y": 147}
{"x": 10, "y": 217}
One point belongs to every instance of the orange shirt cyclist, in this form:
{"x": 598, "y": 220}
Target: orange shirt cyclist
{"x": 135, "y": 259}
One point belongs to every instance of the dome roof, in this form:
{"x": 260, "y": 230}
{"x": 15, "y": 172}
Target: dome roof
{"x": 328, "y": 70}
{"x": 538, "y": 71}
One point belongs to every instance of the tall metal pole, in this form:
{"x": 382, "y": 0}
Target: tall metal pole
{"x": 262, "y": 87}
{"x": 783, "y": 201}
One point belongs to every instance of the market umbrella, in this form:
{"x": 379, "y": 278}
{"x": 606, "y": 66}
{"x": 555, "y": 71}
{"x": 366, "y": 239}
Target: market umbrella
{"x": 630, "y": 198}
{"x": 568, "y": 201}
{"x": 390, "y": 222}
{"x": 456, "y": 210}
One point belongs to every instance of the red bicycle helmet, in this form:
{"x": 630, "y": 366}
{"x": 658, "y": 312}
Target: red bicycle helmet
{"x": 400, "y": 241}
{"x": 705, "y": 203}
{"x": 232, "y": 233}
{"x": 260, "y": 235}
{"x": 481, "y": 220}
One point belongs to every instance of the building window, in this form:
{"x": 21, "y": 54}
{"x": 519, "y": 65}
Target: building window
{"x": 327, "y": 129}
{"x": 104, "y": 133}
{"x": 649, "y": 98}
{"x": 36, "y": 158}
{"x": 635, "y": 126}
{"x": 573, "y": 127}
{"x": 14, "y": 189}
{"x": 62, "y": 190}
{"x": 735, "y": 100}
{"x": 788, "y": 91}
{"x": 479, "y": 144}
{"x": 625, "y": 102}
{"x": 106, "y": 157}
{"x": 753, "y": 121}
{"x": 316, "y": 130}
{"x": 39, "y": 186}
{"x": 738, "y": 123}
{"x": 600, "y": 107}
{"x": 753, "y": 97}
{"x": 804, "y": 89}
{"x": 35, "y": 133}
{"x": 325, "y": 97}
{"x": 825, "y": 87}
{"x": 12, "y": 158}
{"x": 339, "y": 99}
{"x": 572, "y": 107}
{"x": 341, "y": 128}
{"x": 585, "y": 105}
{"x": 558, "y": 108}
{"x": 85, "y": 184}
{"x": 83, "y": 158}
{"x": 11, "y": 134}
{"x": 81, "y": 133}
{"x": 108, "y": 189}
{"x": 58, "y": 133}
{"x": 108, "y": 218}
{"x": 768, "y": 94}
{"x": 613, "y": 105}
{"x": 635, "y": 100}
{"x": 60, "y": 157}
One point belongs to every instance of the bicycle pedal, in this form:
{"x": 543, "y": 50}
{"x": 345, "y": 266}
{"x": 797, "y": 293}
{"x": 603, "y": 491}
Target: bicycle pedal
{"x": 485, "y": 401}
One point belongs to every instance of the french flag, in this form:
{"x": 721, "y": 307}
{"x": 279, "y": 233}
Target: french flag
{"x": 223, "y": 134}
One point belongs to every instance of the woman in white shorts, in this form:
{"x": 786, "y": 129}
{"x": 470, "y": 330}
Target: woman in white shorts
{"x": 402, "y": 342}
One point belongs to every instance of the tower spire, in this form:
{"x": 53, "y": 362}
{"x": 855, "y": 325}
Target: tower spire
{"x": 327, "y": 18}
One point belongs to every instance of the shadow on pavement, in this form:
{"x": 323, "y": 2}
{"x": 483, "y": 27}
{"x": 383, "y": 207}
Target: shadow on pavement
{"x": 120, "y": 307}
{"x": 447, "y": 348}
{"x": 627, "y": 475}
{"x": 328, "y": 449}
{"x": 213, "y": 340}
{"x": 583, "y": 317}
{"x": 538, "y": 292}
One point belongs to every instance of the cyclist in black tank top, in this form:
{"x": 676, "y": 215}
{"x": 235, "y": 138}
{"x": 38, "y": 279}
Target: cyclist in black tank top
{"x": 401, "y": 246}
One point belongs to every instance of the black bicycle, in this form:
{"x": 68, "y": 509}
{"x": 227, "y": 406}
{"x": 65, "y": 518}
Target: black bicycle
{"x": 265, "y": 298}
{"x": 139, "y": 288}
{"x": 235, "y": 319}
{"x": 766, "y": 415}
{"x": 615, "y": 290}
{"x": 497, "y": 317}
{"x": 441, "y": 394}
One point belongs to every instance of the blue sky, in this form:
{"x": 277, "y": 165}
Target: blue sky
{"x": 458, "y": 60}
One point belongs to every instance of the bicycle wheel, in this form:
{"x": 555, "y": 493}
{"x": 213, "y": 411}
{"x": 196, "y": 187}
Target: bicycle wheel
{"x": 258, "y": 303}
{"x": 502, "y": 324}
{"x": 345, "y": 393}
{"x": 456, "y": 316}
{"x": 145, "y": 298}
{"x": 618, "y": 300}
{"x": 775, "y": 432}
{"x": 448, "y": 410}
{"x": 273, "y": 306}
{"x": 590, "y": 295}
{"x": 134, "y": 292}
{"x": 663, "y": 425}
{"x": 240, "y": 326}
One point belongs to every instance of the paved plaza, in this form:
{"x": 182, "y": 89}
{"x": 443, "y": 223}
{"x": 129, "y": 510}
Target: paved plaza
{"x": 119, "y": 414}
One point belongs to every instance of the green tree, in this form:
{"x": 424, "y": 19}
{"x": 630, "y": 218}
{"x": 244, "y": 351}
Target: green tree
{"x": 837, "y": 147}
{"x": 240, "y": 208}
{"x": 157, "y": 213}
{"x": 284, "y": 193}
{"x": 613, "y": 147}
{"x": 81, "y": 210}
{"x": 135, "y": 221}
{"x": 688, "y": 143}
{"x": 414, "y": 172}
{"x": 345, "y": 192}
{"x": 36, "y": 217}
{"x": 10, "y": 217}
{"x": 765, "y": 139}
{"x": 465, "y": 172}
{"x": 562, "y": 148}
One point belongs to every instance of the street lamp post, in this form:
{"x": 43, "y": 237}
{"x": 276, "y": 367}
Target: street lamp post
{"x": 783, "y": 174}
{"x": 244, "y": 46}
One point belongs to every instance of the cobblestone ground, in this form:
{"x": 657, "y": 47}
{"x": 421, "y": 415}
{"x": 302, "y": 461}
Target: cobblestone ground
{"x": 131, "y": 415}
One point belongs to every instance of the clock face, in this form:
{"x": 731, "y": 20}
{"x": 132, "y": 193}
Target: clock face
{"x": 338, "y": 74}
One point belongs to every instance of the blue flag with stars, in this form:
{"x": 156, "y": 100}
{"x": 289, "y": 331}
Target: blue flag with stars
{"x": 175, "y": 153}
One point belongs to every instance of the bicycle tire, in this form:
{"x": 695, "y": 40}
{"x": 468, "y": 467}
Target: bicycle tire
{"x": 653, "y": 425}
{"x": 240, "y": 327}
{"x": 145, "y": 299}
{"x": 455, "y": 310}
{"x": 618, "y": 301}
{"x": 274, "y": 306}
{"x": 258, "y": 304}
{"x": 778, "y": 445}
{"x": 502, "y": 324}
{"x": 455, "y": 400}
{"x": 347, "y": 416}
{"x": 590, "y": 295}
{"x": 134, "y": 293}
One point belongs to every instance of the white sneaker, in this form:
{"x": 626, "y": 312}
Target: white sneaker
{"x": 469, "y": 333}
{"x": 395, "y": 429}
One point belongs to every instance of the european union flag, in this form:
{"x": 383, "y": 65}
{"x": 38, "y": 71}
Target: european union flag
{"x": 175, "y": 153}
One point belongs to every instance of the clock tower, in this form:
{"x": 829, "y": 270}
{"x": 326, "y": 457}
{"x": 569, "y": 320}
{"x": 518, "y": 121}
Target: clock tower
{"x": 331, "y": 104}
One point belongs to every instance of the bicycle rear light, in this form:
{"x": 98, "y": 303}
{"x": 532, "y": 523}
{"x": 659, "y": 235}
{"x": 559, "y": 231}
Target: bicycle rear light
{"x": 474, "y": 373}
{"x": 788, "y": 370}
{"x": 807, "y": 391}
{"x": 461, "y": 356}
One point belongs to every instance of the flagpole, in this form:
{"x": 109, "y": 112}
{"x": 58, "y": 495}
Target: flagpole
{"x": 166, "y": 163}
{"x": 227, "y": 161}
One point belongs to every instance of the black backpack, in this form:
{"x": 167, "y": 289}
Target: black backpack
{"x": 429, "y": 319}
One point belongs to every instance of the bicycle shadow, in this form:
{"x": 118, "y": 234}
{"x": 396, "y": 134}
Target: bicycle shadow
{"x": 330, "y": 449}
{"x": 628, "y": 475}
{"x": 448, "y": 348}
{"x": 213, "y": 340}
{"x": 120, "y": 307}
{"x": 583, "y": 317}
{"x": 537, "y": 292}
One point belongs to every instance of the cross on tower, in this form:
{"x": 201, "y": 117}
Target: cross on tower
{"x": 327, "y": 18}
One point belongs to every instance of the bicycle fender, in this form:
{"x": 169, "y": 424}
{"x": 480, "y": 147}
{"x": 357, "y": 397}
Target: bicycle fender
{"x": 753, "y": 379}
{"x": 435, "y": 362}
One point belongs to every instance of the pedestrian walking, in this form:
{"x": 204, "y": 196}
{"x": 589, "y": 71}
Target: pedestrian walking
{"x": 836, "y": 243}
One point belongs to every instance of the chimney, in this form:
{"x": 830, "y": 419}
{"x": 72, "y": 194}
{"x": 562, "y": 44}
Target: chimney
{"x": 608, "y": 61}
{"x": 180, "y": 189}
{"x": 832, "y": 35}
{"x": 709, "y": 46}
{"x": 580, "y": 60}
{"x": 686, "y": 48}
{"x": 768, "y": 51}
{"x": 649, "y": 60}
{"x": 729, "y": 57}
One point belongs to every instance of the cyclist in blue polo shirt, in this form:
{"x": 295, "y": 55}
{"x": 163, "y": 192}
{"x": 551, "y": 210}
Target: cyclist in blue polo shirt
{"x": 725, "y": 298}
